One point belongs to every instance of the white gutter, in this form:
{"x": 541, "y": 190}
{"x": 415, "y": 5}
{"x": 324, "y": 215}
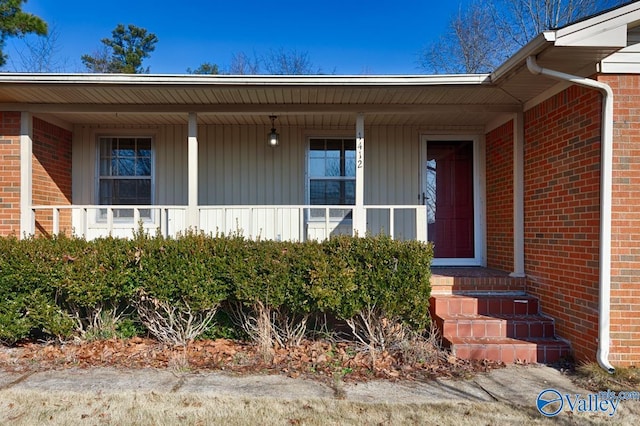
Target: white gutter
{"x": 246, "y": 80}
{"x": 606, "y": 173}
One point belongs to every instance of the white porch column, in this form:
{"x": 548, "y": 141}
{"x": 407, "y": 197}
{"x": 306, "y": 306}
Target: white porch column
{"x": 26, "y": 175}
{"x": 359, "y": 213}
{"x": 518, "y": 195}
{"x": 192, "y": 178}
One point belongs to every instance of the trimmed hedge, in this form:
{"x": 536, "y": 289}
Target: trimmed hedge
{"x": 54, "y": 287}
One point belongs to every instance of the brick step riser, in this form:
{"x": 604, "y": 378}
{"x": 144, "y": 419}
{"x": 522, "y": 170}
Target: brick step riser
{"x": 474, "y": 306}
{"x": 496, "y": 328}
{"x": 530, "y": 353}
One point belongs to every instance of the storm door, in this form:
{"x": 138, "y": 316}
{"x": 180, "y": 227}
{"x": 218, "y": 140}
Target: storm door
{"x": 448, "y": 183}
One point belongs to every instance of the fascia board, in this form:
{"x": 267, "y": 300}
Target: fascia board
{"x": 608, "y": 29}
{"x": 230, "y": 80}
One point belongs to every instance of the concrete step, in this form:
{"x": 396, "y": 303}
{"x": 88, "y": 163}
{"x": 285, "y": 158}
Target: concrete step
{"x": 508, "y": 350}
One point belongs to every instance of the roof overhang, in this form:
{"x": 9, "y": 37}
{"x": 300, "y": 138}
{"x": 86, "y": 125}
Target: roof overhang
{"x": 442, "y": 101}
{"x": 575, "y": 49}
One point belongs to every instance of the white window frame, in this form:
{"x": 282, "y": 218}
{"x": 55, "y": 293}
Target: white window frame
{"x": 309, "y": 178}
{"x": 100, "y": 218}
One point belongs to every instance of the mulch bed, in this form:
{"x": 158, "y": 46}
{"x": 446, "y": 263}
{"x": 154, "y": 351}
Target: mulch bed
{"x": 312, "y": 359}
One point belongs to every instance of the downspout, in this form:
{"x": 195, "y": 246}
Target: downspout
{"x": 606, "y": 178}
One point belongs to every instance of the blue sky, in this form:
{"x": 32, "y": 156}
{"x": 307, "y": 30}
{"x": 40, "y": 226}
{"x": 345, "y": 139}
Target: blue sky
{"x": 345, "y": 37}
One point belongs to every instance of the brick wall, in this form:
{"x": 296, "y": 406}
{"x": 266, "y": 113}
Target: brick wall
{"x": 9, "y": 173}
{"x": 499, "y": 189}
{"x": 625, "y": 212}
{"x": 562, "y": 219}
{"x": 51, "y": 162}
{"x": 51, "y": 174}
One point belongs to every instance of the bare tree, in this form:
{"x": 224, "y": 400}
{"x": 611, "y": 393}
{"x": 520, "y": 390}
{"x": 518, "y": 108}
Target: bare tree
{"x": 242, "y": 64}
{"x": 275, "y": 61}
{"x": 484, "y": 35}
{"x": 468, "y": 46}
{"x": 41, "y": 54}
{"x": 290, "y": 62}
{"x": 101, "y": 60}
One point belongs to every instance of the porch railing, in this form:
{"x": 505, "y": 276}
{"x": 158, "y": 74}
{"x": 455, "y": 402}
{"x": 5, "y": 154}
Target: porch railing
{"x": 274, "y": 222}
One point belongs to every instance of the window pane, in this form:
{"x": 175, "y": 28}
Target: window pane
{"x": 143, "y": 167}
{"x": 123, "y": 213}
{"x": 350, "y": 163}
{"x": 350, "y": 144}
{"x": 143, "y": 191}
{"x": 105, "y": 147}
{"x": 332, "y": 167}
{"x": 124, "y": 191}
{"x": 333, "y": 153}
{"x": 125, "y": 167}
{"x": 126, "y": 147}
{"x": 324, "y": 192}
{"x": 105, "y": 167}
{"x": 349, "y": 192}
{"x": 316, "y": 192}
{"x": 316, "y": 167}
{"x": 334, "y": 145}
{"x": 316, "y": 144}
{"x": 340, "y": 214}
{"x": 106, "y": 192}
{"x": 144, "y": 147}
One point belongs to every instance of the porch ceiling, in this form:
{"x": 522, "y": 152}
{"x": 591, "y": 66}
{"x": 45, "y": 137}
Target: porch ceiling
{"x": 301, "y": 101}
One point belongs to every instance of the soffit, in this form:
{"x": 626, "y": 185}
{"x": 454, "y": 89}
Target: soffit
{"x": 326, "y": 101}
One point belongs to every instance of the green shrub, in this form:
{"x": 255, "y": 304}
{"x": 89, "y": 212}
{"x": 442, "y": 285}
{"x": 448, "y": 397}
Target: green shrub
{"x": 99, "y": 288}
{"x": 97, "y": 284}
{"x": 29, "y": 272}
{"x": 180, "y": 284}
{"x": 376, "y": 271}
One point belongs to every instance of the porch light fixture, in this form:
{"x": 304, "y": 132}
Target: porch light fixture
{"x": 273, "y": 137}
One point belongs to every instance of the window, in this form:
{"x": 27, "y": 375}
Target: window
{"x": 125, "y": 174}
{"x": 332, "y": 171}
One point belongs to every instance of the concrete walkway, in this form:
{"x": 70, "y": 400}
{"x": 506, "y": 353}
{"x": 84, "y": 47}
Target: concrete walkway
{"x": 514, "y": 385}
{"x": 518, "y": 385}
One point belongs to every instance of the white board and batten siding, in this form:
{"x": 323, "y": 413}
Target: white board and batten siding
{"x": 237, "y": 170}
{"x": 392, "y": 177}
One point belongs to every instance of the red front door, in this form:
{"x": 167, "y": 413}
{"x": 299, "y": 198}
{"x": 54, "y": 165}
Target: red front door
{"x": 449, "y": 198}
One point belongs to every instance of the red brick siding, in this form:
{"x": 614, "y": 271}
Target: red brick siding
{"x": 51, "y": 162}
{"x": 51, "y": 174}
{"x": 9, "y": 173}
{"x": 562, "y": 216}
{"x": 499, "y": 175}
{"x": 625, "y": 212}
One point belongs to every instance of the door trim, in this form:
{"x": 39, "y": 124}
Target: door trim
{"x": 479, "y": 203}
